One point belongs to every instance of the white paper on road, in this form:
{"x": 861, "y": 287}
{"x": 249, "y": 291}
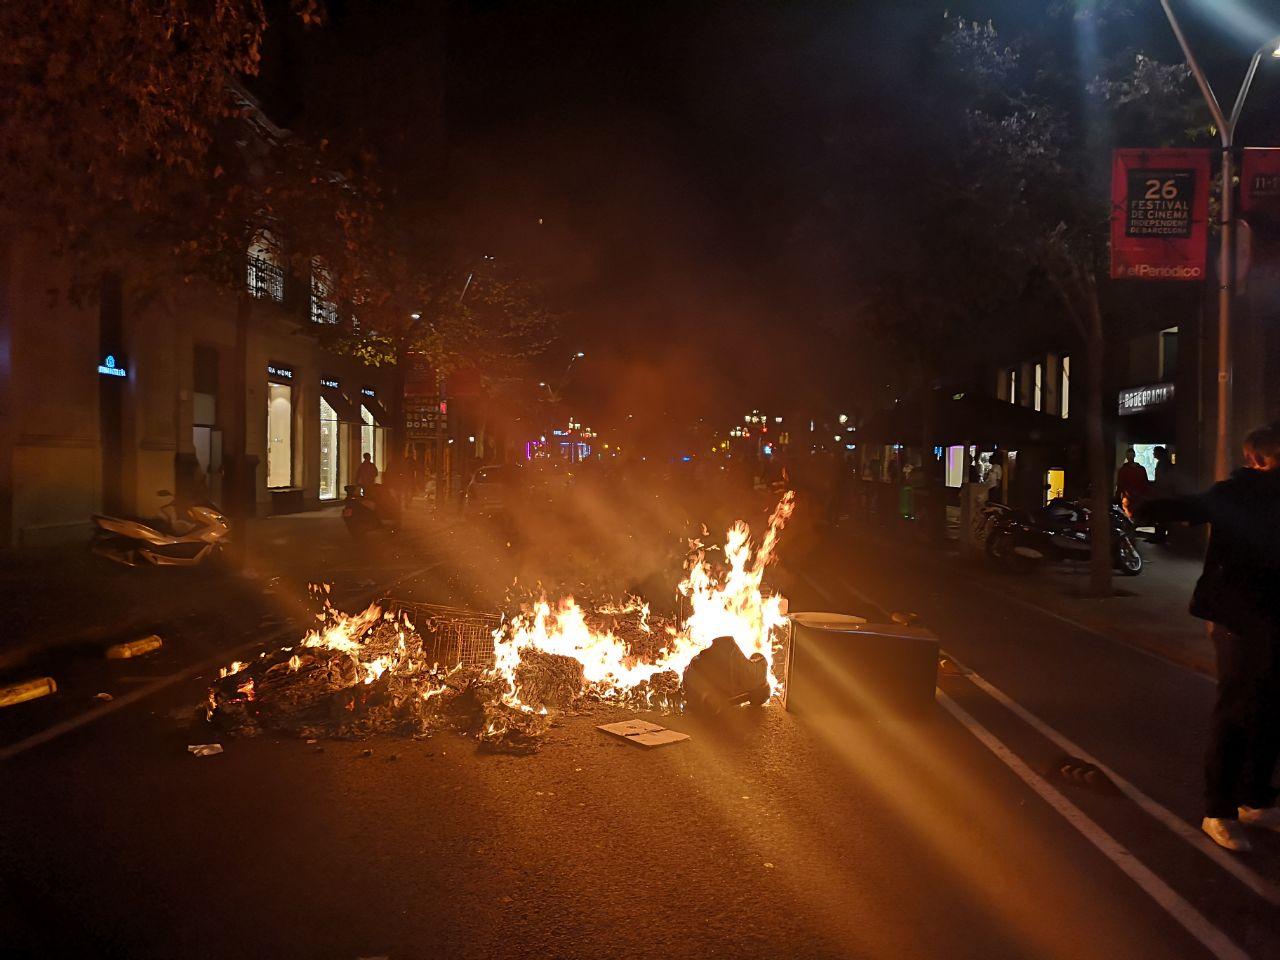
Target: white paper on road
{"x": 204, "y": 749}
{"x": 643, "y": 732}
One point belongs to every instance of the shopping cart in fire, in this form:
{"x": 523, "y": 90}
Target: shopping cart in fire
{"x": 452, "y": 635}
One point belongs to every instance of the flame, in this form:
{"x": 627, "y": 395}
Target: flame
{"x": 720, "y": 602}
{"x": 730, "y": 603}
{"x": 343, "y": 631}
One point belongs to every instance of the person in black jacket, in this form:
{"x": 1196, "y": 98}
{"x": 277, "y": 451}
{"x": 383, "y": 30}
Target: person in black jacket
{"x": 1239, "y": 594}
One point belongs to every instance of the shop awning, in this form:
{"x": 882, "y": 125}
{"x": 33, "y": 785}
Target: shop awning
{"x": 379, "y": 412}
{"x": 347, "y": 412}
{"x": 967, "y": 419}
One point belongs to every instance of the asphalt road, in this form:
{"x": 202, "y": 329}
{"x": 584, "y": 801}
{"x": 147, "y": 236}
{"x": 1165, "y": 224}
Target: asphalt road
{"x": 770, "y": 836}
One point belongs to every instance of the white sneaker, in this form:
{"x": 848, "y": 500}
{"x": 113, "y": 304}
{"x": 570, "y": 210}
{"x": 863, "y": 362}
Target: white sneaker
{"x": 1266, "y": 817}
{"x": 1227, "y": 834}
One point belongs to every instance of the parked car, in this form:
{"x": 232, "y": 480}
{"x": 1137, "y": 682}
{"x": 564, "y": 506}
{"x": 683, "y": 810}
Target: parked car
{"x": 490, "y": 489}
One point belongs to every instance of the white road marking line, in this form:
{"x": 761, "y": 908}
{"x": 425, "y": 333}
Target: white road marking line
{"x": 97, "y": 713}
{"x": 1260, "y": 885}
{"x": 860, "y": 595}
{"x": 1194, "y": 922}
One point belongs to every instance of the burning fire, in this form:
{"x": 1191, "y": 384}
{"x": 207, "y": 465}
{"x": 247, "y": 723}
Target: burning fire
{"x": 731, "y": 604}
{"x": 725, "y": 603}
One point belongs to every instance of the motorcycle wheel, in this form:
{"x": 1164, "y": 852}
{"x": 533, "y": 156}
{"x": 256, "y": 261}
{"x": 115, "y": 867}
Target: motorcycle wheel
{"x": 1128, "y": 559}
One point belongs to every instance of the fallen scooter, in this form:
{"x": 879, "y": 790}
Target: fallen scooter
{"x": 367, "y": 513}
{"x": 1059, "y": 531}
{"x": 169, "y": 541}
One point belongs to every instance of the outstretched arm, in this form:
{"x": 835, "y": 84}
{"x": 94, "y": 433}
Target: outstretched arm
{"x": 1193, "y": 509}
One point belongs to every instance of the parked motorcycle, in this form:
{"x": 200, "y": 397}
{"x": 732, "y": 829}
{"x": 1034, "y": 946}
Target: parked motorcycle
{"x": 1059, "y": 531}
{"x": 168, "y": 541}
{"x": 986, "y": 519}
{"x": 364, "y": 514}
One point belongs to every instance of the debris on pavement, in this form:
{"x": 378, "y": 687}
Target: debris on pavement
{"x": 509, "y": 729}
{"x": 16, "y": 693}
{"x": 134, "y": 648}
{"x": 1077, "y": 770}
{"x": 103, "y": 696}
{"x": 643, "y": 732}
{"x": 549, "y": 681}
{"x": 204, "y": 749}
{"x": 415, "y": 669}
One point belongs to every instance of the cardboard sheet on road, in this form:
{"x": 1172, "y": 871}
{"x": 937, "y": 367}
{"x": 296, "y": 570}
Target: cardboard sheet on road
{"x": 643, "y": 732}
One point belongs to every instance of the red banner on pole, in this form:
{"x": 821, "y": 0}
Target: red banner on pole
{"x": 1159, "y": 214}
{"x": 1260, "y": 181}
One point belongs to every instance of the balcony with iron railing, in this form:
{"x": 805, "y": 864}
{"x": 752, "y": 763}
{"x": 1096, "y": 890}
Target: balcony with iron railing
{"x": 265, "y": 279}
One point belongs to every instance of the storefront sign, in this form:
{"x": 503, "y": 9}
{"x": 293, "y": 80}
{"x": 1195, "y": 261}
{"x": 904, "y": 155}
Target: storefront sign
{"x": 280, "y": 372}
{"x": 368, "y": 391}
{"x": 424, "y": 418}
{"x": 111, "y": 367}
{"x": 1260, "y": 181}
{"x": 1140, "y": 399}
{"x": 1159, "y": 214}
{"x": 331, "y": 384}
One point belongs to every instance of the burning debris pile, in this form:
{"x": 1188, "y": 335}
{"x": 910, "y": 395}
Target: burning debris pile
{"x": 379, "y": 672}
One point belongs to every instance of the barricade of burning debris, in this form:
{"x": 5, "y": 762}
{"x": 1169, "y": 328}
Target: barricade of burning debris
{"x": 379, "y": 672}
{"x": 411, "y": 669}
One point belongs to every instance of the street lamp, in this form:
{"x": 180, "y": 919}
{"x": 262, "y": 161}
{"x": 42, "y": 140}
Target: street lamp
{"x": 1226, "y": 281}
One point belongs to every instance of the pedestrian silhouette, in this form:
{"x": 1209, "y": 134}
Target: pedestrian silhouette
{"x": 1239, "y": 594}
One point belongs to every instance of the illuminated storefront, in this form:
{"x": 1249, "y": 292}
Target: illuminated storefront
{"x": 279, "y": 425}
{"x": 372, "y": 431}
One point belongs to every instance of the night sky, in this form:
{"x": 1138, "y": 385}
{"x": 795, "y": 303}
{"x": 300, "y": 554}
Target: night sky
{"x": 675, "y": 153}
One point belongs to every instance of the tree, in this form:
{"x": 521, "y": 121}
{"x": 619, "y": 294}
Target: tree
{"x": 468, "y": 316}
{"x": 1039, "y": 138}
{"x": 131, "y": 147}
{"x": 113, "y": 107}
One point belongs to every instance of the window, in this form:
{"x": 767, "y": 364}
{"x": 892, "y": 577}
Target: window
{"x": 1011, "y": 384}
{"x": 1064, "y": 389}
{"x": 1055, "y": 484}
{"x": 329, "y": 451}
{"x": 371, "y": 438}
{"x": 1037, "y": 398}
{"x": 265, "y": 272}
{"x": 956, "y": 466}
{"x": 279, "y": 435}
{"x": 323, "y": 309}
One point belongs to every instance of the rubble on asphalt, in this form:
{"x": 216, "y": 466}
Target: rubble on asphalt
{"x": 381, "y": 678}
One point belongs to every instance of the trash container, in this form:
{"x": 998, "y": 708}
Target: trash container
{"x": 839, "y": 664}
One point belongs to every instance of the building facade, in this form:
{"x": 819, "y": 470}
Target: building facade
{"x": 111, "y": 399}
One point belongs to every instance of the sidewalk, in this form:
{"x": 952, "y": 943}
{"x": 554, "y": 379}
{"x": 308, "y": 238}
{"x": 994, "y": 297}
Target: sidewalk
{"x": 1148, "y": 611}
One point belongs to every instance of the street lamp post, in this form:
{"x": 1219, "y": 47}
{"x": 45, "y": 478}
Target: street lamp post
{"x": 1226, "y": 280}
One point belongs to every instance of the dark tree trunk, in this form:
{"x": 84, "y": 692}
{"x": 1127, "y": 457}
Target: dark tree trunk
{"x": 933, "y": 521}
{"x": 1099, "y": 463}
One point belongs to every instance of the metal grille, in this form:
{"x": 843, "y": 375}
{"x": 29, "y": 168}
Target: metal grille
{"x": 266, "y": 279}
{"x": 454, "y": 636}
